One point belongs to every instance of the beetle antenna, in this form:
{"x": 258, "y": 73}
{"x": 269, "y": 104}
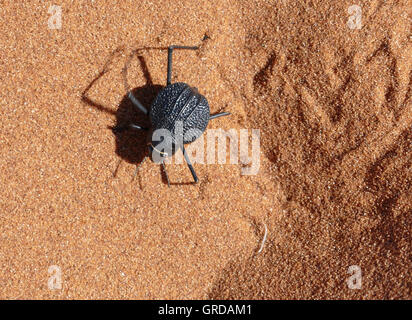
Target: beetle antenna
{"x": 164, "y": 170}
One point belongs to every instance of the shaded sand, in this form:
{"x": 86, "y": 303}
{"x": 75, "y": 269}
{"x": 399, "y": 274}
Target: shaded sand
{"x": 334, "y": 189}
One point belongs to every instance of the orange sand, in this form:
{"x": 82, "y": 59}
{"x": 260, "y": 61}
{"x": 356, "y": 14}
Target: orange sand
{"x": 334, "y": 108}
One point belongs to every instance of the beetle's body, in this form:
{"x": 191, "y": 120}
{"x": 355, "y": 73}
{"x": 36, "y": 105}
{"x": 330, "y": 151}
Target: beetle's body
{"x": 177, "y": 106}
{"x": 180, "y": 103}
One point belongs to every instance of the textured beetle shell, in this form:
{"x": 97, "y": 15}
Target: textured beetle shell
{"x": 180, "y": 102}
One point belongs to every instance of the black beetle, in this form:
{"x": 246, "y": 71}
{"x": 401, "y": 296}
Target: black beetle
{"x": 176, "y": 103}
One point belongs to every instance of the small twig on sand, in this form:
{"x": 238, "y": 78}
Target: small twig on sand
{"x": 264, "y": 239}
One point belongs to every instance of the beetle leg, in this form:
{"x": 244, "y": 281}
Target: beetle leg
{"x": 217, "y": 115}
{"x": 135, "y": 126}
{"x": 189, "y": 164}
{"x": 169, "y": 60}
{"x": 164, "y": 170}
{"x": 134, "y": 100}
{"x": 118, "y": 129}
{"x": 138, "y": 166}
{"x": 137, "y": 103}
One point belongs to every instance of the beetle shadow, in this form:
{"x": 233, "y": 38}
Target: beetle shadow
{"x": 131, "y": 145}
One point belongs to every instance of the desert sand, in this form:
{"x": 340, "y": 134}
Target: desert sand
{"x": 332, "y": 101}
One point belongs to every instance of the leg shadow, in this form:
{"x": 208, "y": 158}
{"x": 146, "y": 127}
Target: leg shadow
{"x": 131, "y": 145}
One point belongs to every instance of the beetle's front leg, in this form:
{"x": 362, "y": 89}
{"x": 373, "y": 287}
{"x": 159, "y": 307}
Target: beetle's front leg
{"x": 118, "y": 129}
{"x": 134, "y": 100}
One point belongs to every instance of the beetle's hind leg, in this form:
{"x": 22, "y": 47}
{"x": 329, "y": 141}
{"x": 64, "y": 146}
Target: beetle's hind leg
{"x": 217, "y": 115}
